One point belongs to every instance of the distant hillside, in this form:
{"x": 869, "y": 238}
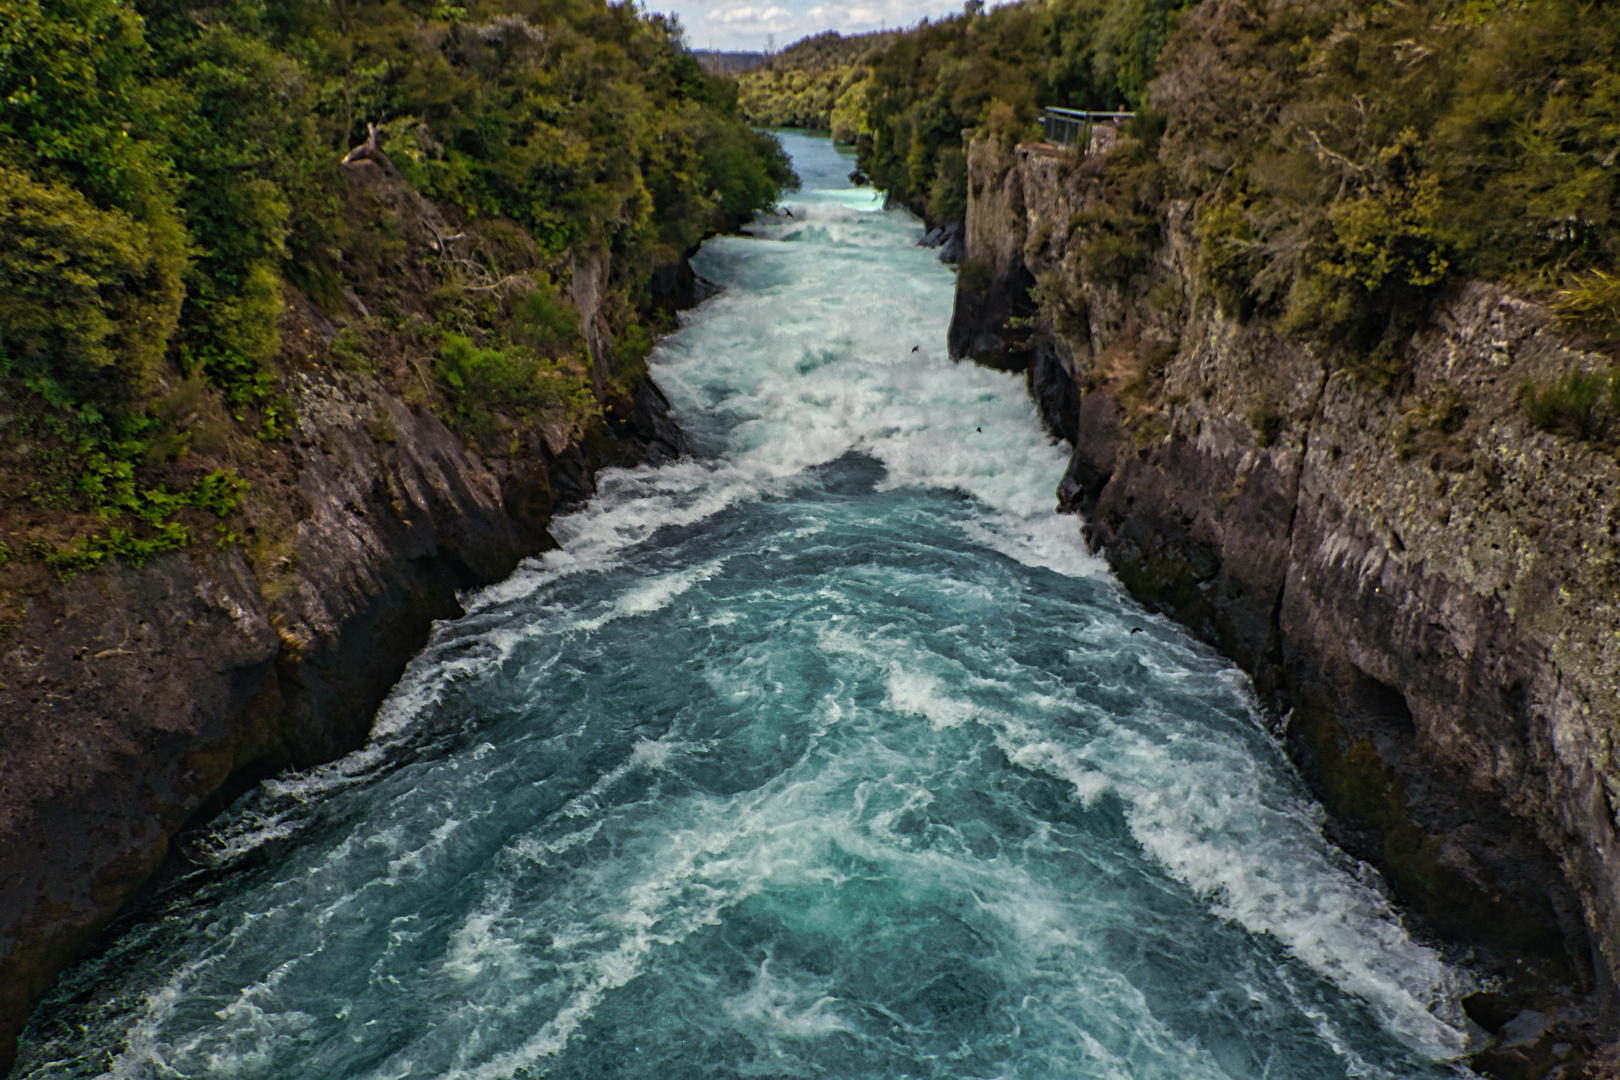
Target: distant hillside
{"x": 728, "y": 63}
{"x": 832, "y": 49}
{"x": 817, "y": 83}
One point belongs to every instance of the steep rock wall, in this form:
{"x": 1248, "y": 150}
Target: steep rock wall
{"x": 1422, "y": 585}
{"x": 137, "y": 699}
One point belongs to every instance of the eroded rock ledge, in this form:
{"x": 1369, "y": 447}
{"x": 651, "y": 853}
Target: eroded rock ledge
{"x": 1423, "y": 586}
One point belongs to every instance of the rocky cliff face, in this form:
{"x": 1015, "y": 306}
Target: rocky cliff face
{"x": 136, "y": 699}
{"x": 1423, "y": 586}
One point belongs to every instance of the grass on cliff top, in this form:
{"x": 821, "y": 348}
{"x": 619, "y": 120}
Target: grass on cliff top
{"x": 942, "y": 77}
{"x": 1351, "y": 161}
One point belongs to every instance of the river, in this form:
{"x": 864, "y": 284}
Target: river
{"x": 828, "y": 751}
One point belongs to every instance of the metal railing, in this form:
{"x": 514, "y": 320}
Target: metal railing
{"x": 1071, "y": 127}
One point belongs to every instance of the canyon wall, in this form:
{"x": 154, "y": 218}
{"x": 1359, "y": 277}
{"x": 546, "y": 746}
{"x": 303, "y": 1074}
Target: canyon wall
{"x": 1422, "y": 584}
{"x": 138, "y": 699}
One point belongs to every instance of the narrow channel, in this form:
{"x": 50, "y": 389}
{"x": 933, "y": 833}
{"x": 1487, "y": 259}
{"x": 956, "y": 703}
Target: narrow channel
{"x": 827, "y": 751}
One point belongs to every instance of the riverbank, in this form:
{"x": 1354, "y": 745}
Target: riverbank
{"x": 140, "y": 699}
{"x": 1419, "y": 580}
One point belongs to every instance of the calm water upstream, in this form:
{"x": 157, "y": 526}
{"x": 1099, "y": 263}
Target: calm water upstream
{"x": 829, "y": 753}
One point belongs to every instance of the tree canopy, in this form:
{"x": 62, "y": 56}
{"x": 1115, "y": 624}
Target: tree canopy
{"x": 1346, "y": 159}
{"x": 169, "y": 169}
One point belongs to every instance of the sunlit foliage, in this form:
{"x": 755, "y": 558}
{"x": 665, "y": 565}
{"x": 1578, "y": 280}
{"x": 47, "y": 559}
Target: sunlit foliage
{"x": 1350, "y": 158}
{"x": 167, "y": 167}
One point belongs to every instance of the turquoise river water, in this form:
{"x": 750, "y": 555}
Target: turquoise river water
{"x": 826, "y": 752}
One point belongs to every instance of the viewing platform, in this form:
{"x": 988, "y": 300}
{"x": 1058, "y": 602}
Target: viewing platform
{"x": 1096, "y": 132}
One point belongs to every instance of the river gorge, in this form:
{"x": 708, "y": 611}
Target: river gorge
{"x": 826, "y": 749}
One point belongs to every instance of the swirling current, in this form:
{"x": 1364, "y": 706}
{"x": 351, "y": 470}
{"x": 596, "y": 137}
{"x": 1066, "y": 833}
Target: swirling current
{"x": 827, "y": 751}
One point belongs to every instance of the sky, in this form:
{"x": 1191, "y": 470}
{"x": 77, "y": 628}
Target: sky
{"x": 743, "y": 25}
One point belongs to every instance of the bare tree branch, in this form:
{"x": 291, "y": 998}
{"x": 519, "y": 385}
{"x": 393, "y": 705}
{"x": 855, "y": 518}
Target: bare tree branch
{"x": 365, "y": 149}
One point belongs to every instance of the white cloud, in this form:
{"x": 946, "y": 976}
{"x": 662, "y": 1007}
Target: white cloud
{"x": 730, "y": 25}
{"x": 752, "y": 17}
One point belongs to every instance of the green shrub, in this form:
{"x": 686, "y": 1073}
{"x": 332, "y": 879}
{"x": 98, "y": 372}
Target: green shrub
{"x": 1389, "y": 233}
{"x": 1113, "y": 258}
{"x": 484, "y": 382}
{"x": 165, "y": 165}
{"x": 220, "y": 492}
{"x": 1580, "y": 405}
{"x": 930, "y": 83}
{"x": 848, "y": 119}
{"x": 947, "y": 195}
{"x": 1065, "y": 302}
{"x": 630, "y": 354}
{"x": 544, "y": 322}
{"x": 1349, "y": 160}
{"x": 91, "y": 293}
{"x": 80, "y": 458}
{"x": 792, "y": 97}
{"x": 815, "y": 83}
{"x": 91, "y": 551}
{"x": 1119, "y": 233}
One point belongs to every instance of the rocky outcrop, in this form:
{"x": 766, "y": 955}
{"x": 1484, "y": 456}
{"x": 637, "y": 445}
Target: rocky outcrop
{"x": 137, "y": 699}
{"x": 947, "y": 240}
{"x": 1423, "y": 585}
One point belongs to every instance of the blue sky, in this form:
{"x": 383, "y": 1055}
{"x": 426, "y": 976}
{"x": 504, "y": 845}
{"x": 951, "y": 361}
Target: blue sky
{"x": 744, "y": 24}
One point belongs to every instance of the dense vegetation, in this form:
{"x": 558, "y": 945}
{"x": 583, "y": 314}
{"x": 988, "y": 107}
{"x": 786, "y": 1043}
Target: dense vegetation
{"x": 1347, "y": 159}
{"x": 904, "y": 98}
{"x": 173, "y": 174}
{"x": 997, "y": 70}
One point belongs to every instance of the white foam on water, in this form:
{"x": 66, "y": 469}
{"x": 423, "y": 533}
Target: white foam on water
{"x": 787, "y": 1008}
{"x": 919, "y": 694}
{"x": 403, "y": 841}
{"x": 793, "y": 393}
{"x": 545, "y": 852}
{"x": 1050, "y": 541}
{"x": 630, "y": 506}
{"x": 145, "y": 1042}
{"x": 243, "y": 834}
{"x": 776, "y": 839}
{"x": 1214, "y": 816}
{"x": 846, "y": 379}
{"x": 1214, "y": 826}
{"x": 663, "y": 903}
{"x": 706, "y": 856}
{"x": 653, "y": 594}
